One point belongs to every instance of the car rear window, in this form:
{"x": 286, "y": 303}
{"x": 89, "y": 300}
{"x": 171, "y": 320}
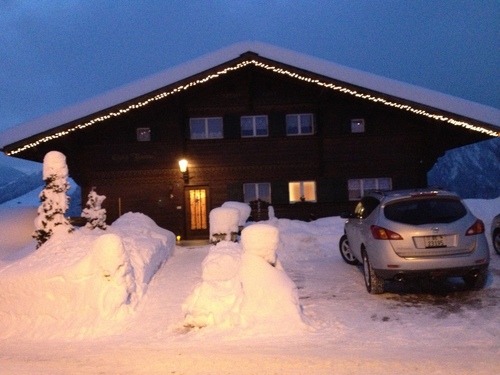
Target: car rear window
{"x": 425, "y": 211}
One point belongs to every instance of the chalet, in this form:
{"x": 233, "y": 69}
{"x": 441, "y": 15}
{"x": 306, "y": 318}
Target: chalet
{"x": 256, "y": 124}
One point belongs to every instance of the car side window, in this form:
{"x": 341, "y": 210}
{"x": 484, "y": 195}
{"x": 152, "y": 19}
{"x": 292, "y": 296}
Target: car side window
{"x": 365, "y": 207}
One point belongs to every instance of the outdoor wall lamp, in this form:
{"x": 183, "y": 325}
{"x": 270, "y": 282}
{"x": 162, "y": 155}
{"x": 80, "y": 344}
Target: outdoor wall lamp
{"x": 183, "y": 166}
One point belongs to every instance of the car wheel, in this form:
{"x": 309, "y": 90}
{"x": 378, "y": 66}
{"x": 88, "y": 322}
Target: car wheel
{"x": 476, "y": 282}
{"x": 496, "y": 240}
{"x": 345, "y": 251}
{"x": 374, "y": 284}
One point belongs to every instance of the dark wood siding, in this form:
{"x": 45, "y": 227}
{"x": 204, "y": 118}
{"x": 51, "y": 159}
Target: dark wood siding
{"x": 144, "y": 176}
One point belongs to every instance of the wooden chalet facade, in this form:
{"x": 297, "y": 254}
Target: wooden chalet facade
{"x": 253, "y": 129}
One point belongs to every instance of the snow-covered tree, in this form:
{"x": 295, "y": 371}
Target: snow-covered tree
{"x": 53, "y": 198}
{"x": 93, "y": 212}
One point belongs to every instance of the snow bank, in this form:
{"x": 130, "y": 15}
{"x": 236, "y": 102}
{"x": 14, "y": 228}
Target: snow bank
{"x": 244, "y": 285}
{"x": 82, "y": 284}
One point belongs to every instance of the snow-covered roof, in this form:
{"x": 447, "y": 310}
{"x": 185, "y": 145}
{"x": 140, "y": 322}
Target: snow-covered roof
{"x": 351, "y": 77}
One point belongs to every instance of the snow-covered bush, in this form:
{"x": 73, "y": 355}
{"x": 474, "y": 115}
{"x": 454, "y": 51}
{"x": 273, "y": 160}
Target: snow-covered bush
{"x": 224, "y": 222}
{"x": 93, "y": 212}
{"x": 53, "y": 198}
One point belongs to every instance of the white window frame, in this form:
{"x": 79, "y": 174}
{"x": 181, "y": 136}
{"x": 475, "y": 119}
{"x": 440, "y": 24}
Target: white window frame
{"x": 256, "y": 186}
{"x": 358, "y": 187}
{"x": 299, "y": 116}
{"x": 207, "y": 134}
{"x": 358, "y": 125}
{"x": 305, "y": 195}
{"x": 254, "y": 126}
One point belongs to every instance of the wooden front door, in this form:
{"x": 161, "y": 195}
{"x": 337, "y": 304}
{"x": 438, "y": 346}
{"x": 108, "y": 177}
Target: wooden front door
{"x": 197, "y": 210}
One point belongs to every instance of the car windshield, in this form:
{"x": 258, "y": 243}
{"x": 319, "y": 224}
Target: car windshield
{"x": 425, "y": 210}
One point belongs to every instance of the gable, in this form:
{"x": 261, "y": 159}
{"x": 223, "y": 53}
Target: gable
{"x": 315, "y": 72}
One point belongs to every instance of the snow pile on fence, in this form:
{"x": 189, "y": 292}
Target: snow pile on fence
{"x": 245, "y": 285}
{"x": 224, "y": 221}
{"x": 82, "y": 284}
{"x": 243, "y": 208}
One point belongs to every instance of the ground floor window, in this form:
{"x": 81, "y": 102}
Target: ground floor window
{"x": 358, "y": 187}
{"x": 302, "y": 191}
{"x": 257, "y": 191}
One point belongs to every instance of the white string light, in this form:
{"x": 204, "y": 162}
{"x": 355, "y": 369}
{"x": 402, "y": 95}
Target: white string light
{"x": 332, "y": 86}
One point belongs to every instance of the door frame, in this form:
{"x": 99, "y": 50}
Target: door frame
{"x": 196, "y": 234}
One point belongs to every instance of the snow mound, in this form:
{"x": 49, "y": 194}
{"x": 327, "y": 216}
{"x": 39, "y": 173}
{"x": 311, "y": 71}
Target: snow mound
{"x": 261, "y": 240}
{"x": 243, "y": 285}
{"x": 224, "y": 220}
{"x": 82, "y": 284}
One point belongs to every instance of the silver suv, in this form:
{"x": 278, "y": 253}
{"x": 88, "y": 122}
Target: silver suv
{"x": 400, "y": 235}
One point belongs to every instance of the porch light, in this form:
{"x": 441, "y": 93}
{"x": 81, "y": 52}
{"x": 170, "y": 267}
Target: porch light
{"x": 183, "y": 166}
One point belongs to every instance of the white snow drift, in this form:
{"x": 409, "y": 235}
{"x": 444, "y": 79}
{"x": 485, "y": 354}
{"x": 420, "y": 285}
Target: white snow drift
{"x": 77, "y": 284}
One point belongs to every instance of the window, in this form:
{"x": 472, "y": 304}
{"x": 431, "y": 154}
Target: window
{"x": 143, "y": 134}
{"x": 205, "y": 128}
{"x": 425, "y": 210}
{"x": 299, "y": 124}
{"x": 255, "y": 191}
{"x": 357, "y": 125}
{"x": 254, "y": 126}
{"x": 302, "y": 191}
{"x": 366, "y": 206}
{"x": 359, "y": 186}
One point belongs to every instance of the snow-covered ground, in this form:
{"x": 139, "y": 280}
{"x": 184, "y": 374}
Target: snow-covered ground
{"x": 114, "y": 302}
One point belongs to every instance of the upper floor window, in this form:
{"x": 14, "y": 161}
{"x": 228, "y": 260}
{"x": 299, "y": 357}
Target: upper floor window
{"x": 206, "y": 128}
{"x": 143, "y": 134}
{"x": 254, "y": 126}
{"x": 256, "y": 191}
{"x": 299, "y": 124}
{"x": 302, "y": 191}
{"x": 358, "y": 125}
{"x": 359, "y": 186}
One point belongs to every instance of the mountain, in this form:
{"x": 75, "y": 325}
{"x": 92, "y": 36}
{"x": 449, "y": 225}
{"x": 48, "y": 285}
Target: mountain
{"x": 8, "y": 174}
{"x": 472, "y": 171}
{"x": 14, "y": 183}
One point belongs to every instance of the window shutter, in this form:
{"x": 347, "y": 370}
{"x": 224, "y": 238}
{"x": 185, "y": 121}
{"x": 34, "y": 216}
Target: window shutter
{"x": 277, "y": 124}
{"x": 279, "y": 192}
{"x": 330, "y": 190}
{"x": 187, "y": 129}
{"x": 231, "y": 126}
{"x": 235, "y": 192}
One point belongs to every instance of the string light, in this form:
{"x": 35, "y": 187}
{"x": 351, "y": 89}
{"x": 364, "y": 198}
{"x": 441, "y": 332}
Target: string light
{"x": 331, "y": 86}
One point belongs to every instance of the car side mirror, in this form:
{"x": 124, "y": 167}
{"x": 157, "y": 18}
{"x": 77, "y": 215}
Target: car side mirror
{"x": 346, "y": 215}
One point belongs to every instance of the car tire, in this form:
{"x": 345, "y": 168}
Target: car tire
{"x": 345, "y": 251}
{"x": 374, "y": 284}
{"x": 496, "y": 240}
{"x": 476, "y": 282}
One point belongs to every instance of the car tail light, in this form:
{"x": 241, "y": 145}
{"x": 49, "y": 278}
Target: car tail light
{"x": 476, "y": 228}
{"x": 380, "y": 233}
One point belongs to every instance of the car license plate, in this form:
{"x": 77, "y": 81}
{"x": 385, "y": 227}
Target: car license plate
{"x": 435, "y": 241}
